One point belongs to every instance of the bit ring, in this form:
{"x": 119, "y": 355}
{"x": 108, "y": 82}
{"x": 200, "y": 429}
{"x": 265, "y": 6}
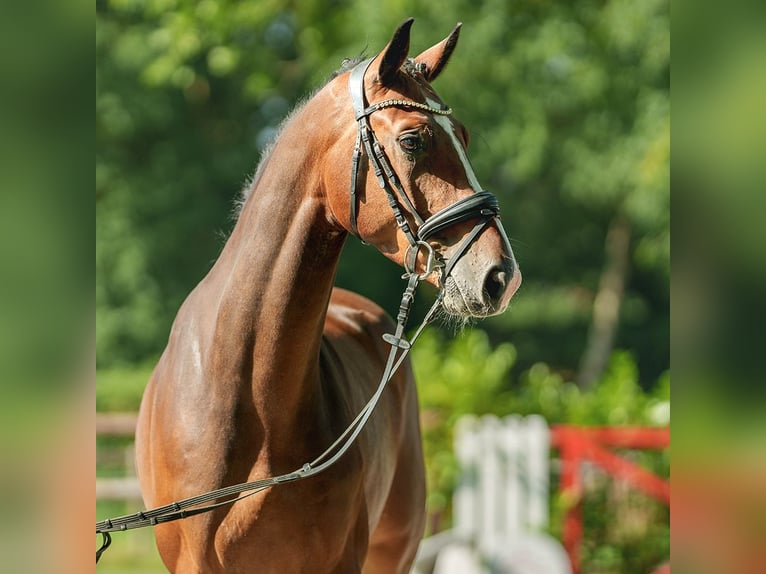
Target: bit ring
{"x": 411, "y": 257}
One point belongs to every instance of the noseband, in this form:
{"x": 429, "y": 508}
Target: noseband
{"x": 482, "y": 205}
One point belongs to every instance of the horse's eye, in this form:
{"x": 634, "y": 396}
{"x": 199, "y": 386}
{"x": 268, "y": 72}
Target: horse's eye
{"x": 410, "y": 143}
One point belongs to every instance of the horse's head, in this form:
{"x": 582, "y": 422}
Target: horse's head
{"x": 408, "y": 136}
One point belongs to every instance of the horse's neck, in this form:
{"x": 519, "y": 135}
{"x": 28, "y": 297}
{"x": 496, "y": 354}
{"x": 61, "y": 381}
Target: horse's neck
{"x": 272, "y": 284}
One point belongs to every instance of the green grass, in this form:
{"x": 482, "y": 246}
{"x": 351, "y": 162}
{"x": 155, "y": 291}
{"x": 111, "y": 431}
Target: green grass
{"x": 131, "y": 552}
{"x": 120, "y": 388}
{"x": 134, "y": 551}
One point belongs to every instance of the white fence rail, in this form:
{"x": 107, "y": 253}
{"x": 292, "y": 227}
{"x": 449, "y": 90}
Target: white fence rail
{"x": 500, "y": 504}
{"x": 122, "y": 488}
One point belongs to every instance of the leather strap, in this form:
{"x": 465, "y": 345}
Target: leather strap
{"x": 356, "y": 88}
{"x": 482, "y": 204}
{"x": 376, "y": 155}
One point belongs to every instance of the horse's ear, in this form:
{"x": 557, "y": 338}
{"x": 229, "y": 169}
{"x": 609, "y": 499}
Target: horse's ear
{"x": 394, "y": 55}
{"x": 436, "y": 57}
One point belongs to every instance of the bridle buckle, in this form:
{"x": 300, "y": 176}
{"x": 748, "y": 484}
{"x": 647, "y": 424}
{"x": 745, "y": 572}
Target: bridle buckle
{"x": 433, "y": 263}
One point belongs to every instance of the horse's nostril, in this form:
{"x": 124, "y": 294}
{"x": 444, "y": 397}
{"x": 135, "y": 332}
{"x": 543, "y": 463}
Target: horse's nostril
{"x": 495, "y": 284}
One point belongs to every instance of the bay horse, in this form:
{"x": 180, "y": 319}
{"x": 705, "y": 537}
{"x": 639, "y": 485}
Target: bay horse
{"x": 267, "y": 363}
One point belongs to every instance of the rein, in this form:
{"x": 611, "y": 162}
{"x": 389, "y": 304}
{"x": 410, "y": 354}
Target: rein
{"x": 482, "y": 206}
{"x": 191, "y": 506}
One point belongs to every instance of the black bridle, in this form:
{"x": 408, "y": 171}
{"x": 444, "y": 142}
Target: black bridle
{"x": 481, "y": 206}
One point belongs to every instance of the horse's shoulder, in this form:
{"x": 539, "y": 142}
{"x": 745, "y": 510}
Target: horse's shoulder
{"x": 350, "y": 313}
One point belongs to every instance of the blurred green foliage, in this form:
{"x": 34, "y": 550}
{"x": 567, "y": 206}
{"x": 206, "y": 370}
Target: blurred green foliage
{"x": 120, "y": 389}
{"x": 625, "y": 532}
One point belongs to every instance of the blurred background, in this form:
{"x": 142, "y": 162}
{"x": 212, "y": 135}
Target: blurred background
{"x": 568, "y": 106}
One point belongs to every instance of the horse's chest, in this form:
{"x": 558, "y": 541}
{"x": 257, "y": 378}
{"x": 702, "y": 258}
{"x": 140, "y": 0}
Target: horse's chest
{"x": 318, "y": 522}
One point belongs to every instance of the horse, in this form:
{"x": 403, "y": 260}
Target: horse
{"x": 267, "y": 363}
